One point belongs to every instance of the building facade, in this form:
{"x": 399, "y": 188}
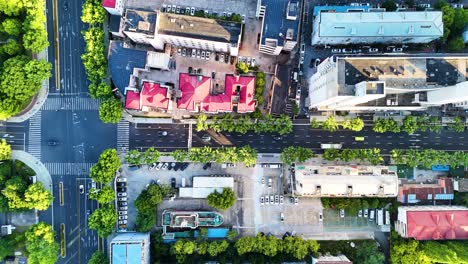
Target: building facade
{"x": 388, "y": 83}
{"x": 130, "y": 248}
{"x": 342, "y": 28}
{"x": 413, "y": 193}
{"x": 114, "y": 7}
{"x": 345, "y": 181}
{"x": 432, "y": 222}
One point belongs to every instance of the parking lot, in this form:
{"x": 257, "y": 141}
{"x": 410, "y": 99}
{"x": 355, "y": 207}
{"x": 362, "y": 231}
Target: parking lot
{"x": 332, "y": 222}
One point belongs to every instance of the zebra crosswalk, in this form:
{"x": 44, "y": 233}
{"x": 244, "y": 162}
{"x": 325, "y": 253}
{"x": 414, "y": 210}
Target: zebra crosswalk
{"x": 68, "y": 168}
{"x": 123, "y": 133}
{"x": 71, "y": 103}
{"x": 34, "y": 137}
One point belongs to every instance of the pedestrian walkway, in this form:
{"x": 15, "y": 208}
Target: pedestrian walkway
{"x": 71, "y": 103}
{"x": 68, "y": 168}
{"x": 34, "y": 135}
{"x": 123, "y": 132}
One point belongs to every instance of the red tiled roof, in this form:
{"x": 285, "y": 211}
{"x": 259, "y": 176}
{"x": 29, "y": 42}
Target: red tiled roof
{"x": 246, "y": 94}
{"x": 153, "y": 95}
{"x": 196, "y": 92}
{"x": 444, "y": 186}
{"x": 132, "y": 101}
{"x": 437, "y": 225}
{"x": 109, "y": 3}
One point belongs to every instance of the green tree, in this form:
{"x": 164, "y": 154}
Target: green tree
{"x": 180, "y": 155}
{"x": 295, "y": 109}
{"x": 448, "y": 15}
{"x": 201, "y": 123}
{"x": 100, "y": 91}
{"x": 242, "y": 67}
{"x": 215, "y": 248}
{"x": 330, "y": 124}
{"x": 36, "y": 197}
{"x": 355, "y": 124}
{"x": 98, "y": 258}
{"x": 296, "y": 154}
{"x": 103, "y": 220}
{"x": 35, "y": 34}
{"x": 11, "y": 26}
{"x": 183, "y": 248}
{"x": 11, "y": 47}
{"x": 5, "y": 248}
{"x": 458, "y": 125}
{"x": 456, "y": 44}
{"x": 110, "y": 111}
{"x": 103, "y": 196}
{"x": 94, "y": 58}
{"x": 232, "y": 234}
{"x": 389, "y": 5}
{"x": 314, "y": 123}
{"x": 222, "y": 200}
{"x": 368, "y": 253}
{"x": 106, "y": 167}
{"x": 409, "y": 124}
{"x": 40, "y": 244}
{"x": 151, "y": 155}
{"x": 93, "y": 12}
{"x": 5, "y": 150}
{"x": 145, "y": 220}
{"x": 382, "y": 125}
{"x": 133, "y": 157}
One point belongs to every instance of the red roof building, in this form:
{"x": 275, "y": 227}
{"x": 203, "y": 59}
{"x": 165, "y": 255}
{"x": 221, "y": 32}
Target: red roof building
{"x": 109, "y": 3}
{"x": 432, "y": 222}
{"x": 412, "y": 193}
{"x": 153, "y": 96}
{"x": 197, "y": 94}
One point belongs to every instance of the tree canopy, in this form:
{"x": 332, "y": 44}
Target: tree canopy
{"x": 98, "y": 258}
{"x": 296, "y": 154}
{"x": 5, "y": 150}
{"x": 103, "y": 220}
{"x": 103, "y": 196}
{"x": 222, "y": 200}
{"x": 146, "y": 204}
{"x": 106, "y": 167}
{"x": 41, "y": 245}
{"x": 110, "y": 111}
{"x": 93, "y": 12}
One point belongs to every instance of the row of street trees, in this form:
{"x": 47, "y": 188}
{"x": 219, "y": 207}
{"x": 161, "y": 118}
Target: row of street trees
{"x": 429, "y": 157}
{"x": 371, "y": 155}
{"x": 269, "y": 124}
{"x": 245, "y": 154}
{"x": 412, "y": 124}
{"x": 296, "y": 154}
{"x": 330, "y": 124}
{"x": 104, "y": 218}
{"x": 455, "y": 20}
{"x": 95, "y": 62}
{"x": 151, "y": 155}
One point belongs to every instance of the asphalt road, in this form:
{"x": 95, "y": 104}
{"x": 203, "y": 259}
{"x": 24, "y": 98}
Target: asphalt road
{"x": 303, "y": 136}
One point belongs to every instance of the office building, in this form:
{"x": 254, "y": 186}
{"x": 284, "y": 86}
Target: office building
{"x": 345, "y": 181}
{"x": 342, "y": 28}
{"x": 130, "y": 248}
{"x": 429, "y": 193}
{"x": 394, "y": 83}
{"x": 432, "y": 222}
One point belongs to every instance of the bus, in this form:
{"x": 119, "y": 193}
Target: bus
{"x": 387, "y": 217}
{"x": 330, "y": 146}
{"x": 380, "y": 217}
{"x": 359, "y": 138}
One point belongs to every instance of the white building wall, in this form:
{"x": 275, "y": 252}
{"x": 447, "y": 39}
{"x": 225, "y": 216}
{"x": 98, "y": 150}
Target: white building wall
{"x": 118, "y": 9}
{"x": 194, "y": 43}
{"x": 448, "y": 95}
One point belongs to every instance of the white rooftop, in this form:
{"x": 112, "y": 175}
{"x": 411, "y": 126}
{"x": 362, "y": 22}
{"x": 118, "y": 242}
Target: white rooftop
{"x": 381, "y": 24}
{"x": 205, "y": 185}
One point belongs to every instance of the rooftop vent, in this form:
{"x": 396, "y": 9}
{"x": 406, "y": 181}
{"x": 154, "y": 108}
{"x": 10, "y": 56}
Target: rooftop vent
{"x": 142, "y": 25}
{"x": 172, "y": 20}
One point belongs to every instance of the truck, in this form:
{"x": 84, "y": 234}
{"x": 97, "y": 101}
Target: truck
{"x": 330, "y": 146}
{"x": 380, "y": 217}
{"x": 387, "y": 217}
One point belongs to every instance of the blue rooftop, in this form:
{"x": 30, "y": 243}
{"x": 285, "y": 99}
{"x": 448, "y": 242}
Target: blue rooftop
{"x": 339, "y": 9}
{"x": 215, "y": 233}
{"x": 122, "y": 61}
{"x": 126, "y": 253}
{"x": 275, "y": 21}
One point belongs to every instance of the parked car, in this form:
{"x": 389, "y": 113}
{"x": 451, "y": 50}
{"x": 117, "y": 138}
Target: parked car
{"x": 272, "y": 199}
{"x": 335, "y": 50}
{"x": 282, "y": 217}
{"x": 159, "y": 166}
{"x": 277, "y": 199}
{"x": 207, "y": 55}
{"x": 317, "y": 62}
{"x": 192, "y": 11}
{"x": 270, "y": 182}
{"x": 346, "y": 50}
{"x": 123, "y": 208}
{"x": 173, "y": 182}
{"x": 262, "y": 200}
{"x": 164, "y": 166}
{"x": 173, "y": 8}
{"x": 281, "y": 199}
{"x": 206, "y": 138}
{"x": 122, "y": 222}
{"x": 121, "y": 189}
{"x": 179, "y": 51}
{"x": 123, "y": 217}
{"x": 397, "y": 50}
{"x": 152, "y": 166}
{"x": 222, "y": 57}
{"x": 121, "y": 179}
{"x": 342, "y": 214}
{"x": 176, "y": 166}
{"x": 122, "y": 203}
{"x": 253, "y": 62}
{"x": 122, "y": 212}
{"x": 365, "y": 213}
{"x": 203, "y": 55}
{"x": 360, "y": 213}
{"x": 187, "y": 10}
{"x": 177, "y": 10}
{"x": 372, "y": 50}
{"x": 320, "y": 217}
{"x": 194, "y": 53}
{"x": 232, "y": 59}
{"x": 122, "y": 194}
{"x": 207, "y": 165}
{"x": 263, "y": 181}
{"x": 296, "y": 200}
{"x": 184, "y": 52}
{"x": 184, "y": 166}
{"x": 169, "y": 166}
{"x": 198, "y": 54}
{"x": 226, "y": 58}
{"x": 122, "y": 199}
{"x": 267, "y": 199}
{"x": 121, "y": 184}
{"x": 81, "y": 189}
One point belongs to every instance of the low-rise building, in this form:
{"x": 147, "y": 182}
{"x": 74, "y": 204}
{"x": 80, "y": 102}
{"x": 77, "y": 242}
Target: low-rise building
{"x": 280, "y": 23}
{"x": 114, "y": 7}
{"x": 388, "y": 83}
{"x": 413, "y": 193}
{"x": 329, "y": 259}
{"x": 205, "y": 185}
{"x": 179, "y": 223}
{"x": 153, "y": 97}
{"x": 130, "y": 248}
{"x": 342, "y": 28}
{"x": 432, "y": 222}
{"x": 345, "y": 181}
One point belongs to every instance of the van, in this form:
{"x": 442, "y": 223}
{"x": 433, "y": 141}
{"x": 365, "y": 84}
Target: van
{"x": 183, "y": 182}
{"x": 371, "y": 214}
{"x": 302, "y": 48}
{"x": 295, "y": 76}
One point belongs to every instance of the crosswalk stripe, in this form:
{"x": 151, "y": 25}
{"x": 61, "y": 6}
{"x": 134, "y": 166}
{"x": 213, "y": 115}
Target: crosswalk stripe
{"x": 71, "y": 103}
{"x": 34, "y": 135}
{"x": 64, "y": 168}
{"x": 123, "y": 132}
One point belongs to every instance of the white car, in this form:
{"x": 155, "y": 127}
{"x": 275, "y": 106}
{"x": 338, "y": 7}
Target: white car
{"x": 165, "y": 165}
{"x": 262, "y": 200}
{"x": 123, "y": 217}
{"x": 253, "y": 62}
{"x": 194, "y": 53}
{"x": 373, "y": 50}
{"x": 263, "y": 181}
{"x": 81, "y": 189}
{"x": 122, "y": 199}
{"x": 122, "y": 194}
{"x": 342, "y": 214}
{"x": 123, "y": 208}
{"x": 173, "y": 8}
{"x": 203, "y": 55}
{"x": 397, "y": 50}
{"x": 207, "y": 55}
{"x": 281, "y": 199}
{"x": 272, "y": 199}
{"x": 120, "y": 179}
{"x": 360, "y": 213}
{"x": 267, "y": 199}
{"x": 296, "y": 201}
{"x": 366, "y": 213}
{"x": 122, "y": 212}
{"x": 320, "y": 217}
{"x": 192, "y": 11}
{"x": 270, "y": 182}
{"x": 122, "y": 222}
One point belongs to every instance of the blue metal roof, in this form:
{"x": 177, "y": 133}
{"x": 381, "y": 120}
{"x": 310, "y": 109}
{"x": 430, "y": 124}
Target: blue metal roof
{"x": 122, "y": 61}
{"x": 215, "y": 233}
{"x": 119, "y": 254}
{"x": 126, "y": 253}
{"x": 317, "y": 9}
{"x": 275, "y": 21}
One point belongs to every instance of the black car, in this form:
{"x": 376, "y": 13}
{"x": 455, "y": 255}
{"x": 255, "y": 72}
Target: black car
{"x": 232, "y": 59}
{"x": 226, "y": 58}
{"x": 176, "y": 167}
{"x": 173, "y": 182}
{"x": 169, "y": 167}
{"x": 184, "y": 166}
{"x": 121, "y": 184}
{"x": 121, "y": 189}
{"x": 207, "y": 165}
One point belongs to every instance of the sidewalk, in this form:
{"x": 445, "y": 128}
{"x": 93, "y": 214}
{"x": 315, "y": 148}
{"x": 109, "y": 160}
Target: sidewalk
{"x": 38, "y": 100}
{"x": 146, "y": 120}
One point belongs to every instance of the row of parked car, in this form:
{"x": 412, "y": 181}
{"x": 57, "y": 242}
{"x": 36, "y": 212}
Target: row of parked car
{"x": 248, "y": 60}
{"x": 169, "y": 166}
{"x": 122, "y": 204}
{"x": 191, "y": 11}
{"x": 277, "y": 200}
